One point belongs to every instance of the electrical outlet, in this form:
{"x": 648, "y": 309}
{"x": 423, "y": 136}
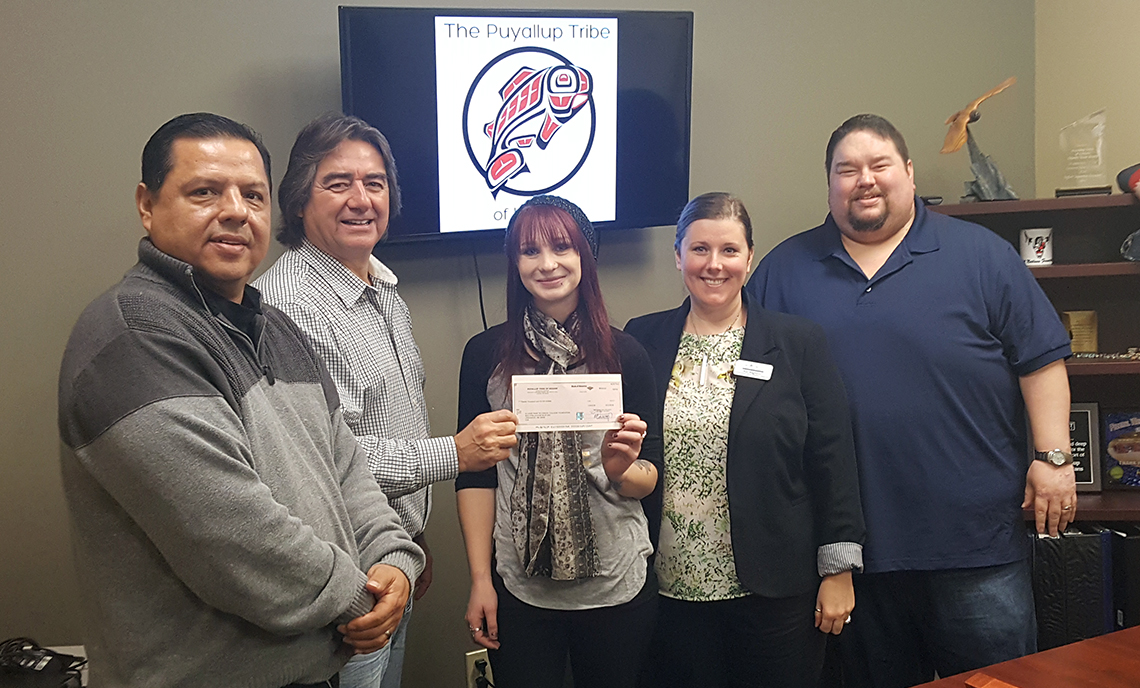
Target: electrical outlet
{"x": 473, "y": 674}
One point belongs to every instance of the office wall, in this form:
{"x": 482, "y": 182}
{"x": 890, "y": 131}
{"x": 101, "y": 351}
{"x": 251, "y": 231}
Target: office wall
{"x": 85, "y": 84}
{"x": 1086, "y": 61}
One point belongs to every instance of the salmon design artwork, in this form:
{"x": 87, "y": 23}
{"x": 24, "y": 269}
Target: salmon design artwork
{"x": 536, "y": 104}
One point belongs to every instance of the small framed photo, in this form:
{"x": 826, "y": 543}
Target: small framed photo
{"x": 1084, "y": 431}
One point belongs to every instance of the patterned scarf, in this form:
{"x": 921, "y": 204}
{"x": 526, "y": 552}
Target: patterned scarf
{"x": 550, "y": 508}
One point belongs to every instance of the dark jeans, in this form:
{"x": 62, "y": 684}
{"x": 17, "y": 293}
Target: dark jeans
{"x": 751, "y": 641}
{"x": 909, "y": 624}
{"x": 606, "y": 645}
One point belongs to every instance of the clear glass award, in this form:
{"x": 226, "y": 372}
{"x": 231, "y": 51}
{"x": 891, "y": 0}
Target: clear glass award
{"x": 1082, "y": 144}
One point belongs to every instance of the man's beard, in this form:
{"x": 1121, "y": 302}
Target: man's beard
{"x": 869, "y": 224}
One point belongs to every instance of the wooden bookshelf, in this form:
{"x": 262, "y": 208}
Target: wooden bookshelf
{"x": 1107, "y": 506}
{"x": 1078, "y": 366}
{"x": 1117, "y": 269}
{"x": 1088, "y": 273}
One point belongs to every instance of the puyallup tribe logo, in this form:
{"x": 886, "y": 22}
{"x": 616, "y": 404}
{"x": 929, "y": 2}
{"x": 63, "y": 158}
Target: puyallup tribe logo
{"x": 528, "y": 121}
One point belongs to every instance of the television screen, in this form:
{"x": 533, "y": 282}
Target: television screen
{"x": 485, "y": 109}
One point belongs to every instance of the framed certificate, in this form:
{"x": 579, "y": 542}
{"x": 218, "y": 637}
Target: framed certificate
{"x": 549, "y": 403}
{"x": 1084, "y": 431}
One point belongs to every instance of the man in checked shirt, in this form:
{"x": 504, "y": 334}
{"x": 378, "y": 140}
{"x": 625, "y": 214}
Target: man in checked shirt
{"x": 336, "y": 199}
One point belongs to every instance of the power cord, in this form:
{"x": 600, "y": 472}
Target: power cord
{"x": 479, "y": 280}
{"x": 481, "y": 681}
{"x": 25, "y": 656}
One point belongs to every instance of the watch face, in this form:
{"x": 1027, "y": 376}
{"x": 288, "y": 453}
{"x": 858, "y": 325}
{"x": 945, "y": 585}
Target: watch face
{"x": 1056, "y": 457}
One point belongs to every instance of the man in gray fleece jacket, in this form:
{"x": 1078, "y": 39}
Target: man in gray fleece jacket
{"x": 227, "y": 531}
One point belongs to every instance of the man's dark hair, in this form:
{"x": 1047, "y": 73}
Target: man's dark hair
{"x": 156, "y": 162}
{"x": 319, "y": 138}
{"x": 878, "y": 126}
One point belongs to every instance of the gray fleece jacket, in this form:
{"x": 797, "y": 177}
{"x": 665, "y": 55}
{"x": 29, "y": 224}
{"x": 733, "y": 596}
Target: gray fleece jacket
{"x": 222, "y": 513}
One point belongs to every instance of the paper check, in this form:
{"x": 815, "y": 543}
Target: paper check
{"x": 548, "y": 403}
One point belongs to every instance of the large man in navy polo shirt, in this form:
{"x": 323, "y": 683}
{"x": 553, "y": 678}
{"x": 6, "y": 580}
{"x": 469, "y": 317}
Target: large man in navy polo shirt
{"x": 946, "y": 345}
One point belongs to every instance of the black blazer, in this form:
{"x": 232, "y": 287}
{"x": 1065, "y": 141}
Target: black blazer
{"x": 792, "y": 483}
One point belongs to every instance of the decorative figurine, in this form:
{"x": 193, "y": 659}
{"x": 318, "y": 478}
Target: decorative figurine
{"x": 988, "y": 184}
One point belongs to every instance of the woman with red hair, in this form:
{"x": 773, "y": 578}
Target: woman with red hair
{"x": 557, "y": 538}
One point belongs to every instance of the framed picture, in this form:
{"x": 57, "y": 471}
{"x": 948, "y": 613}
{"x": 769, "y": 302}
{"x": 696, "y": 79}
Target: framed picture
{"x": 1084, "y": 431}
{"x": 1122, "y": 449}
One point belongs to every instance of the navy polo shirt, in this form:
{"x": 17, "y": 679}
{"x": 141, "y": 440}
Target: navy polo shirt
{"x": 930, "y": 350}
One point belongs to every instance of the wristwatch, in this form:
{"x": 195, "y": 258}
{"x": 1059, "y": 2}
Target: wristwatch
{"x": 1056, "y": 457}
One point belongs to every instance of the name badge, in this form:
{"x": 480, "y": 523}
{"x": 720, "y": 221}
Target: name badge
{"x": 752, "y": 369}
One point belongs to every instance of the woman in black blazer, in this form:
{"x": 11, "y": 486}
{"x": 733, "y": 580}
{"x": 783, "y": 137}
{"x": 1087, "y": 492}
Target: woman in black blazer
{"x": 761, "y": 521}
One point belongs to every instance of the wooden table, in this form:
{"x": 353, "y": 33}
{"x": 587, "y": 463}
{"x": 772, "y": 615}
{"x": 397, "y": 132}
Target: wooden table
{"x": 1107, "y": 661}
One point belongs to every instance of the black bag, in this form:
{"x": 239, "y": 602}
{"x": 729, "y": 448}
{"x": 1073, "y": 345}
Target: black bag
{"x": 1072, "y": 586}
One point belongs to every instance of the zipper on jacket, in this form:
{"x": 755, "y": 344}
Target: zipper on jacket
{"x": 251, "y": 348}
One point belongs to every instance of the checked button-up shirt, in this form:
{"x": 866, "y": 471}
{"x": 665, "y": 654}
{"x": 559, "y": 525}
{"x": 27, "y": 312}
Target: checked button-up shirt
{"x": 363, "y": 332}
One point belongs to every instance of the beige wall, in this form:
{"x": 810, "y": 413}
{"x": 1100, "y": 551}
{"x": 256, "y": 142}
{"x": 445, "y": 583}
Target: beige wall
{"x": 85, "y": 84}
{"x": 1086, "y": 61}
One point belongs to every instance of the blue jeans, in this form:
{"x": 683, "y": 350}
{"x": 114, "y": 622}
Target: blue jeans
{"x": 395, "y": 670}
{"x": 366, "y": 671}
{"x": 383, "y": 668}
{"x": 909, "y": 624}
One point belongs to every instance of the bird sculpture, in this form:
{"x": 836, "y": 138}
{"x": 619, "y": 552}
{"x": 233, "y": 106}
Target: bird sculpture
{"x": 989, "y": 184}
{"x": 956, "y": 137}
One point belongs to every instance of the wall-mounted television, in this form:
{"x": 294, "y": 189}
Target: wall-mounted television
{"x": 486, "y": 108}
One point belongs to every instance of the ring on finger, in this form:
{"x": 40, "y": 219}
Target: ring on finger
{"x": 1067, "y": 507}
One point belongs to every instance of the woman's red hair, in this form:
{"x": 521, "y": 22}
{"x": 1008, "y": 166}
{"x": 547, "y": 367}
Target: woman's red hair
{"x": 546, "y": 224}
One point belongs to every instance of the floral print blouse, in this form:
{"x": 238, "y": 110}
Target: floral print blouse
{"x": 694, "y": 560}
